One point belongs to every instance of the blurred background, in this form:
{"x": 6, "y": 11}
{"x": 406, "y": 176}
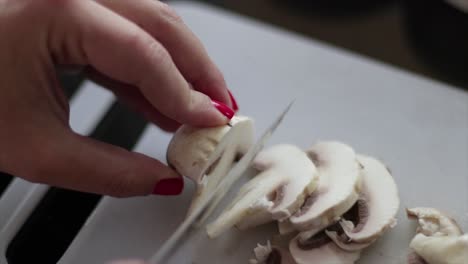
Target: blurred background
{"x": 428, "y": 37}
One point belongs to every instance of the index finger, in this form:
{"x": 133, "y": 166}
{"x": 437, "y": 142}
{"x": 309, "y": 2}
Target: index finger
{"x": 123, "y": 51}
{"x": 187, "y": 51}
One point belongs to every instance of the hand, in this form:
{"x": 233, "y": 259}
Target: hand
{"x": 139, "y": 49}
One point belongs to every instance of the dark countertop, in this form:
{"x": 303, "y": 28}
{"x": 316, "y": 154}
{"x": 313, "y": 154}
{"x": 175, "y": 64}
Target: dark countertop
{"x": 395, "y": 32}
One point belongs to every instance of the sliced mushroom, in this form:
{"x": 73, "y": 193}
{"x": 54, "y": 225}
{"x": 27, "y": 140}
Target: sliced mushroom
{"x": 285, "y": 227}
{"x": 205, "y": 155}
{"x": 375, "y": 210}
{"x": 439, "y": 239}
{"x": 432, "y": 222}
{"x": 286, "y": 177}
{"x": 336, "y": 233}
{"x": 269, "y": 254}
{"x": 338, "y": 188}
{"x": 320, "y": 249}
{"x": 441, "y": 249}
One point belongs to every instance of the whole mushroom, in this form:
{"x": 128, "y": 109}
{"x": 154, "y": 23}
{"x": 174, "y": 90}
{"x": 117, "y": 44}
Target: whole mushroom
{"x": 205, "y": 155}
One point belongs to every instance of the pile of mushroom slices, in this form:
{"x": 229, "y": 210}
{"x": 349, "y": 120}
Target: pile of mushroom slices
{"x": 329, "y": 202}
{"x": 438, "y": 240}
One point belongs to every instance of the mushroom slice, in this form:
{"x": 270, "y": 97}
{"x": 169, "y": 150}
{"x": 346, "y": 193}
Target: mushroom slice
{"x": 320, "y": 249}
{"x": 432, "y": 222}
{"x": 338, "y": 188}
{"x": 441, "y": 249}
{"x": 269, "y": 254}
{"x": 286, "y": 177}
{"x": 205, "y": 155}
{"x": 439, "y": 239}
{"x": 375, "y": 210}
{"x": 336, "y": 233}
{"x": 286, "y": 227}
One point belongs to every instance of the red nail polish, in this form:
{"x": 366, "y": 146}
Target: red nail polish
{"x": 224, "y": 109}
{"x": 170, "y": 186}
{"x": 235, "y": 107}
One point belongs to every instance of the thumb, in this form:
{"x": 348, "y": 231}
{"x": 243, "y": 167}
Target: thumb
{"x": 84, "y": 164}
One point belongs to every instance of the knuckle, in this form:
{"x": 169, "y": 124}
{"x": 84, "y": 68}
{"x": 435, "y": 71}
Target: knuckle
{"x": 150, "y": 53}
{"x": 148, "y": 46}
{"x": 156, "y": 52}
{"x": 190, "y": 103}
{"x": 169, "y": 14}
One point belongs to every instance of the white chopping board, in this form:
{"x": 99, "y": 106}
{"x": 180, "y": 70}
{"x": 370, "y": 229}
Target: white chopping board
{"x": 419, "y": 127}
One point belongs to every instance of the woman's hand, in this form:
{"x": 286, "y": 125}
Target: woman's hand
{"x": 139, "y": 49}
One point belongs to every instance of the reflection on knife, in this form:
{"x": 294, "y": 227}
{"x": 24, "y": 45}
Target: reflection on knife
{"x": 215, "y": 197}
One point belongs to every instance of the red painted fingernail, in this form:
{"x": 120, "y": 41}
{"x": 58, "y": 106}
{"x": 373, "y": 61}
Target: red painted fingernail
{"x": 224, "y": 109}
{"x": 235, "y": 107}
{"x": 170, "y": 186}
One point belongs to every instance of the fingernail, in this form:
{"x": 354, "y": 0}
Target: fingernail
{"x": 224, "y": 109}
{"x": 235, "y": 107}
{"x": 170, "y": 186}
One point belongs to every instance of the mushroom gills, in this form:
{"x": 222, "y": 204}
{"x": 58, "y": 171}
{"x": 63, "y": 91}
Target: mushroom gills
{"x": 338, "y": 188}
{"x": 372, "y": 214}
{"x": 320, "y": 249}
{"x": 356, "y": 215}
{"x": 205, "y": 155}
{"x": 286, "y": 176}
{"x": 269, "y": 254}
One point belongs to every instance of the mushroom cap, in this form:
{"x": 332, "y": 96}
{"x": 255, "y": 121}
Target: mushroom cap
{"x": 338, "y": 188}
{"x": 441, "y": 249}
{"x": 193, "y": 150}
{"x": 432, "y": 222}
{"x": 377, "y": 206}
{"x": 326, "y": 253}
{"x": 286, "y": 176}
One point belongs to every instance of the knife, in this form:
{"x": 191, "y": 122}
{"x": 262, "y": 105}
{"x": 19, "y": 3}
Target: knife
{"x": 166, "y": 250}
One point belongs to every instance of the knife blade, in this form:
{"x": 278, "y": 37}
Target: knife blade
{"x": 166, "y": 250}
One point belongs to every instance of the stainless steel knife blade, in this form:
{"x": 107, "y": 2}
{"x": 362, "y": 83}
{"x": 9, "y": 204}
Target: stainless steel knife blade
{"x": 166, "y": 250}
